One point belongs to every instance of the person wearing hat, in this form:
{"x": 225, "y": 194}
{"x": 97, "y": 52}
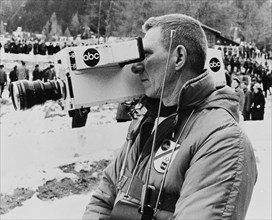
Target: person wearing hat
{"x": 3, "y": 79}
{"x": 258, "y": 103}
{"x": 36, "y": 73}
{"x": 49, "y": 73}
{"x": 236, "y": 85}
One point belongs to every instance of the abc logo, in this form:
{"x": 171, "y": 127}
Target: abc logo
{"x": 215, "y": 64}
{"x": 91, "y": 57}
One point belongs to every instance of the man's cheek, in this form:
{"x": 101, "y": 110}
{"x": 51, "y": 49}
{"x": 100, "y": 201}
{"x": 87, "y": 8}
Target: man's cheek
{"x": 149, "y": 64}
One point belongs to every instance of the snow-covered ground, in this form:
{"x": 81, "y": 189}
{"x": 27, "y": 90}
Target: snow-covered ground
{"x": 36, "y": 142}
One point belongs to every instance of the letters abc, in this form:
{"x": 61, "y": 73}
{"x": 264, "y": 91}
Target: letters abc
{"x": 91, "y": 57}
{"x": 215, "y": 64}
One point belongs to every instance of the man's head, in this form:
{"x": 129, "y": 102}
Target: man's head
{"x": 186, "y": 59}
{"x": 257, "y": 88}
{"x": 188, "y": 33}
{"x": 235, "y": 82}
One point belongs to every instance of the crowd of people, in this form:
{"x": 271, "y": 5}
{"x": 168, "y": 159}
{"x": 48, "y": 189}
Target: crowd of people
{"x": 252, "y": 81}
{"x": 37, "y": 47}
{"x": 22, "y": 72}
{"x": 245, "y": 50}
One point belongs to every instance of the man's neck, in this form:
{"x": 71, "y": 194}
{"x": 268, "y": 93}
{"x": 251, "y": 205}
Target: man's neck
{"x": 172, "y": 97}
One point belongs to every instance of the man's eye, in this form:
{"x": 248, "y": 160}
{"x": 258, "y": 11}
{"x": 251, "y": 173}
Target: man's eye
{"x": 147, "y": 54}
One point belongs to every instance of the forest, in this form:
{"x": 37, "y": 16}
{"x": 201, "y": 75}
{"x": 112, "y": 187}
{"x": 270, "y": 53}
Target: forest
{"x": 252, "y": 18}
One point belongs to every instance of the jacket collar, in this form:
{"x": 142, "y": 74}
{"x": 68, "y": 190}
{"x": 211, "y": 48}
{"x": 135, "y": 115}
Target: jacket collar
{"x": 192, "y": 93}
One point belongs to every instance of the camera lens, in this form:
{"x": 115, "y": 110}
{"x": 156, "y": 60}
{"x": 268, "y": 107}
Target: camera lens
{"x": 25, "y": 94}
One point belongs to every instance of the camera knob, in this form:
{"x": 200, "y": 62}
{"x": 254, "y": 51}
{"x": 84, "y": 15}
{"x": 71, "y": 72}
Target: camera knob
{"x": 137, "y": 68}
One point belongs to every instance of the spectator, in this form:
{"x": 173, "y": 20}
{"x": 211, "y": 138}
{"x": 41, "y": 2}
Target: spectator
{"x": 50, "y": 49}
{"x": 258, "y": 103}
{"x": 20, "y": 47}
{"x": 13, "y": 47}
{"x": 236, "y": 85}
{"x": 7, "y": 47}
{"x": 42, "y": 48}
{"x": 246, "y": 65}
{"x": 29, "y": 47}
{"x": 248, "y": 99}
{"x": 36, "y": 73}
{"x": 269, "y": 75}
{"x": 49, "y": 73}
{"x": 36, "y": 47}
{"x": 13, "y": 75}
{"x": 3, "y": 79}
{"x": 232, "y": 63}
{"x": 266, "y": 83}
{"x": 56, "y": 48}
{"x": 64, "y": 45}
{"x": 23, "y": 72}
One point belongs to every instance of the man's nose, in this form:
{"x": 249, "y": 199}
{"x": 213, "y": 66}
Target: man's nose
{"x": 137, "y": 68}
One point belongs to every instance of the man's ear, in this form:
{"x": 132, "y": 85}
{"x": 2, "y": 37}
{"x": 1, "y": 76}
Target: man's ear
{"x": 180, "y": 53}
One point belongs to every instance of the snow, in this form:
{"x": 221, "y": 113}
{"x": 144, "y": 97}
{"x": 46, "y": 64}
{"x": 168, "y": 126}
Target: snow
{"x": 71, "y": 207}
{"x": 34, "y": 146}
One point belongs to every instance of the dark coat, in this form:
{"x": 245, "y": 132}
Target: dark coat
{"x": 258, "y": 104}
{"x": 37, "y": 74}
{"x": 247, "y": 104}
{"x": 13, "y": 75}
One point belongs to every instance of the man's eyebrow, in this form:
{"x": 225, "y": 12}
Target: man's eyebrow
{"x": 148, "y": 50}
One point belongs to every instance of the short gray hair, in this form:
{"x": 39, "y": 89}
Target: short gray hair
{"x": 189, "y": 33}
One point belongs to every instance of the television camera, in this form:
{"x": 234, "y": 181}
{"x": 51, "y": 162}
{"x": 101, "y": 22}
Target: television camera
{"x": 94, "y": 75}
{"x": 86, "y": 76}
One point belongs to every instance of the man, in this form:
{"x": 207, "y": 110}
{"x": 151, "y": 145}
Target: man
{"x": 236, "y": 85}
{"x": 49, "y": 73}
{"x": 248, "y": 98}
{"x": 13, "y": 75}
{"x": 212, "y": 170}
{"x": 3, "y": 79}
{"x": 36, "y": 74}
{"x": 23, "y": 72}
{"x": 36, "y": 47}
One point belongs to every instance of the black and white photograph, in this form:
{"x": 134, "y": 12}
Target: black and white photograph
{"x": 135, "y": 109}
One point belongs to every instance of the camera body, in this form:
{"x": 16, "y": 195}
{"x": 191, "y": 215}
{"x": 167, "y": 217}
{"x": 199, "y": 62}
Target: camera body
{"x": 99, "y": 74}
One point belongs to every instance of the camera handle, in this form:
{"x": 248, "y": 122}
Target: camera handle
{"x": 79, "y": 117}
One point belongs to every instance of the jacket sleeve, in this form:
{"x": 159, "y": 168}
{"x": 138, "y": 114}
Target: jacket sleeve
{"x": 102, "y": 200}
{"x": 219, "y": 181}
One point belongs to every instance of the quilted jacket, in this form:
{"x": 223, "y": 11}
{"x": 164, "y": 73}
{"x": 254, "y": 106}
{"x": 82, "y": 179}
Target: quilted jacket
{"x": 212, "y": 172}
